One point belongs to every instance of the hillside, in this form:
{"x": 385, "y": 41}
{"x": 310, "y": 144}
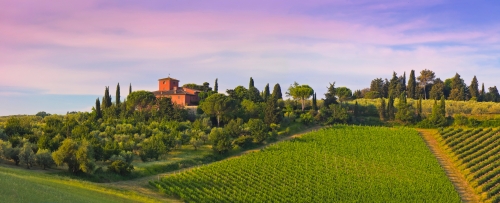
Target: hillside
{"x": 31, "y": 186}
{"x": 343, "y": 163}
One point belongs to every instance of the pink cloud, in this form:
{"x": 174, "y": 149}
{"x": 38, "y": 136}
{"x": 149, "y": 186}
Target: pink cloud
{"x": 86, "y": 33}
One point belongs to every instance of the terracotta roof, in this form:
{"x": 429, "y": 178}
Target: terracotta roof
{"x": 169, "y": 78}
{"x": 179, "y": 91}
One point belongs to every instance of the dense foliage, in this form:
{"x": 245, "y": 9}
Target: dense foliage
{"x": 343, "y": 163}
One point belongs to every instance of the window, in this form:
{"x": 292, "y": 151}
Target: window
{"x": 163, "y": 82}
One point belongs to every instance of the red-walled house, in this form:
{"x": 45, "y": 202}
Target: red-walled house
{"x": 169, "y": 87}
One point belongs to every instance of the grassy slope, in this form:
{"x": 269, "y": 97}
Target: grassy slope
{"x": 19, "y": 185}
{"x": 363, "y": 164}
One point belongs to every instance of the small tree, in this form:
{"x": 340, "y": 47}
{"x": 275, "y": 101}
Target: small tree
{"x": 221, "y": 142}
{"x": 258, "y": 130}
{"x": 330, "y": 95}
{"x": 196, "y": 142}
{"x": 26, "y": 155}
{"x": 44, "y": 159}
{"x": 405, "y": 113}
{"x": 78, "y": 157}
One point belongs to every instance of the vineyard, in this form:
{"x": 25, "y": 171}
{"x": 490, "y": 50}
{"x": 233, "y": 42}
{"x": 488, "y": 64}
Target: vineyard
{"x": 339, "y": 164}
{"x": 478, "y": 153}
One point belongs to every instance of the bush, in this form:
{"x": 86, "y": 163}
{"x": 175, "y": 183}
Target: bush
{"x": 243, "y": 141}
{"x": 306, "y": 118}
{"x": 120, "y": 167}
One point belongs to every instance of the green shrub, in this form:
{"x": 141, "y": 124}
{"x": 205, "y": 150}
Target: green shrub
{"x": 120, "y": 167}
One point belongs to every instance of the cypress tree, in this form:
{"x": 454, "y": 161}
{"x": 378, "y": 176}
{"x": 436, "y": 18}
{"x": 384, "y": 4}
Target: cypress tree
{"x": 216, "y": 86}
{"x": 250, "y": 85}
{"x": 130, "y": 89}
{"x": 404, "y": 113}
{"x": 393, "y": 85}
{"x": 474, "y": 88}
{"x": 266, "y": 94}
{"x": 98, "y": 108}
{"x": 314, "y": 104}
{"x": 381, "y": 110}
{"x": 481, "y": 96}
{"x": 277, "y": 92}
{"x": 105, "y": 98}
{"x": 442, "y": 107}
{"x": 390, "y": 108}
{"x": 271, "y": 114}
{"x": 117, "y": 97}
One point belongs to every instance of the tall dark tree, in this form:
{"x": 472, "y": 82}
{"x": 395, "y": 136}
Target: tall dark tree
{"x": 266, "y": 93}
{"x": 474, "y": 88}
{"x": 385, "y": 89}
{"x": 106, "y": 100}
{"x": 412, "y": 85}
{"x": 314, "y": 103}
{"x": 272, "y": 113}
{"x": 391, "y": 110}
{"x": 393, "y": 85}
{"x": 426, "y": 77}
{"x": 117, "y": 97}
{"x": 130, "y": 89}
{"x": 442, "y": 106}
{"x": 404, "y": 81}
{"x": 419, "y": 108}
{"x": 277, "y": 92}
{"x": 98, "y": 108}
{"x": 330, "y": 95}
{"x": 251, "y": 84}
{"x": 482, "y": 93}
{"x": 216, "y": 85}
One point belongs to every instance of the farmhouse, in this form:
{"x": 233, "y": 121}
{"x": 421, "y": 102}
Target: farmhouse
{"x": 169, "y": 87}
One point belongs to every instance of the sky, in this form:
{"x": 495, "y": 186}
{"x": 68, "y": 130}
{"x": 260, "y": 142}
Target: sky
{"x": 58, "y": 56}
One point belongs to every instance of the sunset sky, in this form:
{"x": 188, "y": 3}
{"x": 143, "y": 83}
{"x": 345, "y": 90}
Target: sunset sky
{"x": 58, "y": 56}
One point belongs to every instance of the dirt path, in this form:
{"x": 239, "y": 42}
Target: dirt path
{"x": 142, "y": 186}
{"x": 457, "y": 178}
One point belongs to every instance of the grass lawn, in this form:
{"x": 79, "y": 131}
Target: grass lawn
{"x": 20, "y": 185}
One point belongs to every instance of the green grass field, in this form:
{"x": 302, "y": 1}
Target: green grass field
{"x": 18, "y": 185}
{"x": 339, "y": 164}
